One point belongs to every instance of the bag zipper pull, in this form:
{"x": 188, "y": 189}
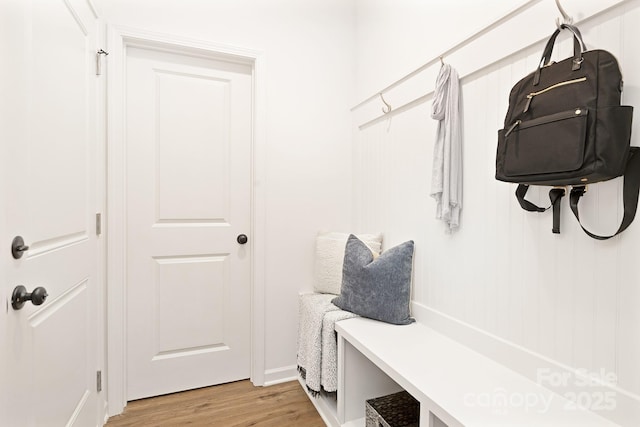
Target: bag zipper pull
{"x": 528, "y": 104}
{"x": 513, "y": 126}
{"x": 557, "y": 85}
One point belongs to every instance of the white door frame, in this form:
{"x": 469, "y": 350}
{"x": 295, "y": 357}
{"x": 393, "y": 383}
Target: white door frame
{"x": 119, "y": 39}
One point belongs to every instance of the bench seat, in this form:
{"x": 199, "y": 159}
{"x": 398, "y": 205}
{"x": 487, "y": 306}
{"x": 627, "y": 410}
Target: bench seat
{"x": 455, "y": 385}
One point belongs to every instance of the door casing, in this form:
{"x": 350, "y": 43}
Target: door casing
{"x": 119, "y": 39}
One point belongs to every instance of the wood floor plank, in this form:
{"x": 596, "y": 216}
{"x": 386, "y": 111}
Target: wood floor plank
{"x": 237, "y": 404}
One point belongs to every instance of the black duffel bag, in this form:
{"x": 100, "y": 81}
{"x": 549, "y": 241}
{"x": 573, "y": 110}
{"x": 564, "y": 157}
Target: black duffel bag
{"x": 565, "y": 127}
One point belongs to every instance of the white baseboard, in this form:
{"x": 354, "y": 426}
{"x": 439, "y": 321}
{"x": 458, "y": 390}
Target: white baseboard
{"x": 105, "y": 412}
{"x": 323, "y": 404}
{"x": 280, "y": 375}
{"x": 622, "y": 406}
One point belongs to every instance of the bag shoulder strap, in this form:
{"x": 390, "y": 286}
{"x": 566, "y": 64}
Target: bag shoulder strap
{"x": 555, "y": 195}
{"x": 630, "y": 191}
{"x": 521, "y": 191}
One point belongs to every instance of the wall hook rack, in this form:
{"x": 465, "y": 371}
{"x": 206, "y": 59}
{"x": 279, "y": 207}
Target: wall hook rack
{"x": 566, "y": 19}
{"x": 387, "y": 107}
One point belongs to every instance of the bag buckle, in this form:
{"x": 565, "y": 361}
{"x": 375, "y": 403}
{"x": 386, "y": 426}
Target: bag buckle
{"x": 577, "y": 63}
{"x": 583, "y": 188}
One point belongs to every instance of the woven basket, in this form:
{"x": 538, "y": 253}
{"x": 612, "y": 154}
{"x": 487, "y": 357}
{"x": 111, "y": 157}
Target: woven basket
{"x": 395, "y": 410}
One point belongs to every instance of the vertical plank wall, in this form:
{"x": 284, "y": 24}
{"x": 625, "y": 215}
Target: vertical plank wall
{"x": 567, "y": 297}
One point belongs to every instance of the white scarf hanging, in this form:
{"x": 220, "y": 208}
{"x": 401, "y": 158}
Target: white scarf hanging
{"x": 446, "y": 183}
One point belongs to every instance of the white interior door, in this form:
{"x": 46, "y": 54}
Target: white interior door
{"x": 48, "y": 133}
{"x": 188, "y": 151}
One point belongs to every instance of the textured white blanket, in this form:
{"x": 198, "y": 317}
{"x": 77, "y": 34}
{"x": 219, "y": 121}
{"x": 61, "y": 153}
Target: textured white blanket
{"x": 317, "y": 344}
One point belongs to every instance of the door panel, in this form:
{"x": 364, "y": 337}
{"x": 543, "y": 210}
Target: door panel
{"x": 52, "y": 348}
{"x": 59, "y": 326}
{"x": 188, "y": 142}
{"x": 200, "y": 325}
{"x": 193, "y": 179}
{"x": 57, "y": 191}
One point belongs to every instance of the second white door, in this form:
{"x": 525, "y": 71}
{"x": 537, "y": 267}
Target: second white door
{"x": 188, "y": 156}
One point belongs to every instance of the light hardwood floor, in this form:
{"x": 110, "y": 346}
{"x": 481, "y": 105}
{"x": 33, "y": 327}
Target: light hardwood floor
{"x": 228, "y": 405}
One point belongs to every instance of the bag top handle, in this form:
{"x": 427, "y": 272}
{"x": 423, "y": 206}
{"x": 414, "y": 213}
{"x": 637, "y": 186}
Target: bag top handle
{"x": 578, "y": 48}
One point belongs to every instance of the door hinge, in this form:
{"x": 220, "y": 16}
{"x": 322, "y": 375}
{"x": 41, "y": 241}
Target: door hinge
{"x": 99, "y": 381}
{"x": 99, "y": 61}
{"x": 98, "y": 224}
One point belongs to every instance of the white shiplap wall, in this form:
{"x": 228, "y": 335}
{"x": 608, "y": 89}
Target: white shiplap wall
{"x": 567, "y": 299}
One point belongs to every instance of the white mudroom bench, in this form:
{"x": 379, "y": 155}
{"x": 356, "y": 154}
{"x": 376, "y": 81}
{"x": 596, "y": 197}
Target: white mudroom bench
{"x": 455, "y": 385}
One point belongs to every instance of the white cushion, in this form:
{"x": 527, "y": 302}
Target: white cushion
{"x": 330, "y": 256}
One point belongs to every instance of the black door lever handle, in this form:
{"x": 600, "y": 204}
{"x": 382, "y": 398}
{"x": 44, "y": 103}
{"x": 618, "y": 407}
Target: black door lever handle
{"x": 18, "y": 248}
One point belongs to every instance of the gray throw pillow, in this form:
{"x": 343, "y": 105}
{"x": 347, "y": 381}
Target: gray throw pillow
{"x": 377, "y": 288}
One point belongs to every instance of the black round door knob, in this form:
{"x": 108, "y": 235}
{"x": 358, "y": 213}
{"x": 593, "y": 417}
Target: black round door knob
{"x": 20, "y": 296}
{"x": 242, "y": 239}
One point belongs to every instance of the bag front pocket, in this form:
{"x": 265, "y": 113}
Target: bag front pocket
{"x": 548, "y": 144}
